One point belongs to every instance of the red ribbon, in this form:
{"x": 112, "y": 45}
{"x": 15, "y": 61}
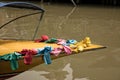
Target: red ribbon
{"x": 43, "y": 38}
{"x": 28, "y": 55}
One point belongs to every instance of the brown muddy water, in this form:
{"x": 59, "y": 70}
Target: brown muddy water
{"x": 101, "y": 24}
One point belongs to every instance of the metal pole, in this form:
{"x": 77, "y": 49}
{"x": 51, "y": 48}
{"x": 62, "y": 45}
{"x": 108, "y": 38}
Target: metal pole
{"x": 73, "y": 2}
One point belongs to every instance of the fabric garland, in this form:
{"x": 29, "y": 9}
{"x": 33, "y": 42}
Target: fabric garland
{"x": 67, "y": 47}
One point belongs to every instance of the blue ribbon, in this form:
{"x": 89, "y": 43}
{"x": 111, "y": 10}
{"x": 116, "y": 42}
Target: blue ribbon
{"x": 68, "y": 42}
{"x": 46, "y": 54}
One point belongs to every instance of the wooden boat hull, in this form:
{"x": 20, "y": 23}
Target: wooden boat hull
{"x": 6, "y": 69}
{"x": 10, "y": 46}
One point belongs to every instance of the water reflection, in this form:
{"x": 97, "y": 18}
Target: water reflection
{"x": 70, "y": 76}
{"x": 22, "y": 28}
{"x": 63, "y": 74}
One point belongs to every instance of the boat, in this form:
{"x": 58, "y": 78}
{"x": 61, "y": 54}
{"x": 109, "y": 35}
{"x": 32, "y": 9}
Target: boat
{"x": 12, "y": 59}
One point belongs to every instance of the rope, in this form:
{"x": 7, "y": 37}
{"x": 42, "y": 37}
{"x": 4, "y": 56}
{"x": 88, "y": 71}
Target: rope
{"x": 66, "y": 17}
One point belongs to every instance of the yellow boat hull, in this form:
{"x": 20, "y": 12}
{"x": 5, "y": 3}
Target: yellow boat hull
{"x": 9, "y": 46}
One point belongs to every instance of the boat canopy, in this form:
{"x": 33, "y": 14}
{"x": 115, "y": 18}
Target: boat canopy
{"x": 24, "y": 5}
{"x": 21, "y": 5}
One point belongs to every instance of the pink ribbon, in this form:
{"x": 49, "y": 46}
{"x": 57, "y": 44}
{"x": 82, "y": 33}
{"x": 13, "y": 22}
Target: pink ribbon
{"x": 61, "y": 41}
{"x": 57, "y": 51}
{"x": 67, "y": 50}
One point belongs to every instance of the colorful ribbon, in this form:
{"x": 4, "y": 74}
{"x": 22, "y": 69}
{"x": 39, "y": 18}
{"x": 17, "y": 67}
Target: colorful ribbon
{"x": 65, "y": 49}
{"x": 52, "y": 40}
{"x": 46, "y": 54}
{"x": 12, "y": 57}
{"x": 28, "y": 55}
{"x": 46, "y": 51}
{"x": 56, "y": 51}
{"x": 68, "y": 42}
{"x": 43, "y": 38}
{"x": 61, "y": 41}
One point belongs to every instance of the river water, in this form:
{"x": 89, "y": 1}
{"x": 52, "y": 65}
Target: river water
{"x": 100, "y": 23}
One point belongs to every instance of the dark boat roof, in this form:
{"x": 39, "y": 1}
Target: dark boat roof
{"x": 21, "y": 5}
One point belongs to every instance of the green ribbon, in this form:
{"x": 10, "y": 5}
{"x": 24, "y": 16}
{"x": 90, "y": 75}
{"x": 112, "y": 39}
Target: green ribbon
{"x": 12, "y": 57}
{"x": 52, "y": 40}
